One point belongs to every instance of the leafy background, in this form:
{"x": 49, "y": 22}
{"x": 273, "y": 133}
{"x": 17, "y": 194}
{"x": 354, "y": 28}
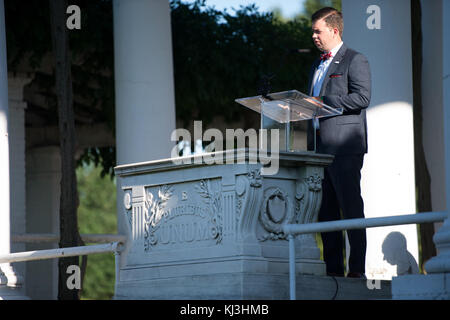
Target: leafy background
{"x": 97, "y": 214}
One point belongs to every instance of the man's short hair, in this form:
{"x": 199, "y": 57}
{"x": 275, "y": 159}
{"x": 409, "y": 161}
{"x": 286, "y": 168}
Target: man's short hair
{"x": 331, "y": 16}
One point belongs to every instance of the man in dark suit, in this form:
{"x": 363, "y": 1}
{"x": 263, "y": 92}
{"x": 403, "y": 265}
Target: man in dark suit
{"x": 340, "y": 78}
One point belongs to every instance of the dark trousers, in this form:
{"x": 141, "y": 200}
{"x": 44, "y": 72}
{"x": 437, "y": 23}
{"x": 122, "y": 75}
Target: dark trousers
{"x": 342, "y": 192}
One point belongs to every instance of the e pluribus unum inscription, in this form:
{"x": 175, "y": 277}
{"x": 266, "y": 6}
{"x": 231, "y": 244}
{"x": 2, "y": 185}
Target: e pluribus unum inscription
{"x": 181, "y": 224}
{"x": 170, "y": 221}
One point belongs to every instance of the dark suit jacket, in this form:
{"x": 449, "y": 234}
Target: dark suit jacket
{"x": 347, "y": 84}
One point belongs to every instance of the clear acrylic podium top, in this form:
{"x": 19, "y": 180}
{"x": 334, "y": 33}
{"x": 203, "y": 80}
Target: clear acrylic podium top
{"x": 281, "y": 110}
{"x": 288, "y": 106}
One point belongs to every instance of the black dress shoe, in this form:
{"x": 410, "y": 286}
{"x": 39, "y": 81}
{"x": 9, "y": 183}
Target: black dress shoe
{"x": 334, "y": 274}
{"x": 357, "y": 275}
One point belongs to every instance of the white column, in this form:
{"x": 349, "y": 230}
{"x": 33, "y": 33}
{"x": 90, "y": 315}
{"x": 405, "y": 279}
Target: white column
{"x": 145, "y": 103}
{"x": 435, "y": 285}
{"x": 441, "y": 263}
{"x": 144, "y": 85}
{"x": 388, "y": 180}
{"x": 432, "y": 95}
{"x": 10, "y": 281}
{"x": 43, "y": 173}
{"x": 16, "y": 123}
{"x": 4, "y": 142}
{"x": 17, "y": 154}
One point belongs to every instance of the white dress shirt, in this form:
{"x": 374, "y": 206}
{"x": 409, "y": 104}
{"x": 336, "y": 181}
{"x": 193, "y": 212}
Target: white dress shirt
{"x": 322, "y": 69}
{"x": 319, "y": 76}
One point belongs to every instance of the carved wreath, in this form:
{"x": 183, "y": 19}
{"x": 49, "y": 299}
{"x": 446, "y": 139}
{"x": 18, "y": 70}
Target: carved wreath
{"x": 275, "y": 212}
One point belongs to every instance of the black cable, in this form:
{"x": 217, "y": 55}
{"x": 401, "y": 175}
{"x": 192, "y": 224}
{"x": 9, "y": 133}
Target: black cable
{"x": 337, "y": 288}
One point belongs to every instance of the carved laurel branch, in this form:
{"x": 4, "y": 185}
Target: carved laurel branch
{"x": 154, "y": 208}
{"x": 214, "y": 200}
{"x": 154, "y": 212}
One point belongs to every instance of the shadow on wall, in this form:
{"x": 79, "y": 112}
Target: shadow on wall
{"x": 395, "y": 253}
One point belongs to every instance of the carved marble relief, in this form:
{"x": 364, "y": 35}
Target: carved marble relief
{"x": 221, "y": 219}
{"x": 248, "y": 190}
{"x": 191, "y": 213}
{"x": 276, "y": 210}
{"x": 175, "y": 215}
{"x": 308, "y": 198}
{"x": 255, "y": 178}
{"x": 241, "y": 188}
{"x": 212, "y": 199}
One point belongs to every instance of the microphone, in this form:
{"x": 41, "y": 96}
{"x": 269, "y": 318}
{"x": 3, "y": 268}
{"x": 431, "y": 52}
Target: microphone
{"x": 264, "y": 86}
{"x": 301, "y": 50}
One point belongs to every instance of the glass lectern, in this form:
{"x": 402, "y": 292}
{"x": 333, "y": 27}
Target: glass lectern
{"x": 283, "y": 110}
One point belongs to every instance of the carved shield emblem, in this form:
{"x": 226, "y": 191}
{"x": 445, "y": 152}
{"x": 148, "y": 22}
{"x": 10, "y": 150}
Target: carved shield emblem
{"x": 276, "y": 208}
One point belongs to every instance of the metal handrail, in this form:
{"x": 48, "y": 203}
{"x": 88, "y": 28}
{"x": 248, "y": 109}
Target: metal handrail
{"x": 294, "y": 229}
{"x": 290, "y": 229}
{"x": 114, "y": 247}
{"x": 53, "y": 237}
{"x": 59, "y": 252}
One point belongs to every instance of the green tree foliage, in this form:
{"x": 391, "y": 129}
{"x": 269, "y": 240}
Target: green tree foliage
{"x": 30, "y": 51}
{"x": 220, "y": 56}
{"x": 29, "y": 47}
{"x": 97, "y": 214}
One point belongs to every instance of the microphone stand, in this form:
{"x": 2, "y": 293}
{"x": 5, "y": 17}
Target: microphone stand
{"x": 265, "y": 87}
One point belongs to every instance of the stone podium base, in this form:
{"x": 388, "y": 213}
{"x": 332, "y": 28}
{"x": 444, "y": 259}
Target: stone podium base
{"x": 421, "y": 287}
{"x": 251, "y": 286}
{"x": 215, "y": 231}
